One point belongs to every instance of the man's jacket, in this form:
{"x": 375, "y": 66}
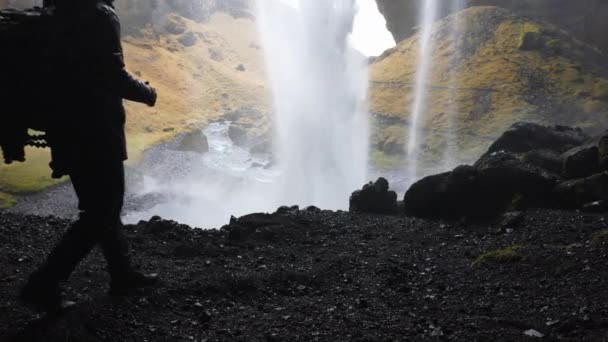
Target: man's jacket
{"x": 88, "y": 82}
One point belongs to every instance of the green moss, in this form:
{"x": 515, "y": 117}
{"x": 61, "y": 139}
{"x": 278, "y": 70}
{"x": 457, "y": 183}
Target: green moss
{"x": 31, "y": 176}
{"x": 385, "y": 161}
{"x": 502, "y": 256}
{"x": 601, "y": 237}
{"x": 7, "y": 201}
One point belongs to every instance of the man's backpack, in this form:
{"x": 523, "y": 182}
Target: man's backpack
{"x": 24, "y": 37}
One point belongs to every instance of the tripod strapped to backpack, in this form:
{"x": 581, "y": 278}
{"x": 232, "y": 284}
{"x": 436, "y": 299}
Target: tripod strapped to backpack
{"x": 23, "y": 41}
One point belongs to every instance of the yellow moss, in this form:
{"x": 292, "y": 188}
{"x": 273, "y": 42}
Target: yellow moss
{"x": 530, "y": 27}
{"x": 6, "y": 201}
{"x": 505, "y": 255}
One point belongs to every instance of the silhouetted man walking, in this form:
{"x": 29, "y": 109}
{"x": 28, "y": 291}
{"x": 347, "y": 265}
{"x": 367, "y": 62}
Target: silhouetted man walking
{"x": 88, "y": 143}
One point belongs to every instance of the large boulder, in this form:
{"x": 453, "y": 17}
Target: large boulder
{"x": 524, "y": 137}
{"x": 195, "y": 141}
{"x": 507, "y": 183}
{"x": 603, "y": 153}
{"x": 374, "y": 198}
{"x": 545, "y": 159}
{"x": 525, "y": 168}
{"x": 451, "y": 194}
{"x": 499, "y": 182}
{"x": 575, "y": 193}
{"x": 581, "y": 162}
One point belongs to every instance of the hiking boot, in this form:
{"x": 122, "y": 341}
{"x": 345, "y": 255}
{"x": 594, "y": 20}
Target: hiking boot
{"x": 44, "y": 297}
{"x": 131, "y": 282}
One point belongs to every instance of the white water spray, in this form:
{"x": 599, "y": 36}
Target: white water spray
{"x": 319, "y": 85}
{"x": 450, "y": 159}
{"x": 427, "y": 17}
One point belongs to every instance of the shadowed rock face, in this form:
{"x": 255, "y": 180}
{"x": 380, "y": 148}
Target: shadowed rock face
{"x": 506, "y": 179}
{"x": 583, "y": 18}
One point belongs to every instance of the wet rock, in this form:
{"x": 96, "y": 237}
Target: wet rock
{"x": 575, "y": 193}
{"x": 505, "y": 182}
{"x": 450, "y": 194}
{"x": 581, "y": 162}
{"x": 498, "y": 182}
{"x": 596, "y": 207}
{"x": 238, "y": 134}
{"x": 545, "y": 159}
{"x": 603, "y": 153}
{"x": 175, "y": 25}
{"x": 524, "y": 137}
{"x": 532, "y": 41}
{"x": 374, "y": 198}
{"x": 513, "y": 219}
{"x": 188, "y": 39}
{"x": 195, "y": 141}
{"x": 288, "y": 210}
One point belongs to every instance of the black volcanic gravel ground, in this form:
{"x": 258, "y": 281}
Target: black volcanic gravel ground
{"x": 326, "y": 276}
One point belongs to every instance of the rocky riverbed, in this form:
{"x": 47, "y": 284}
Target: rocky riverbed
{"x": 311, "y": 275}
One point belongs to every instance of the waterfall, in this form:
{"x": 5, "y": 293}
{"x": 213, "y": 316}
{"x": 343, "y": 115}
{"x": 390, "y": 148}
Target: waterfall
{"x": 319, "y": 86}
{"x": 427, "y": 16}
{"x": 450, "y": 159}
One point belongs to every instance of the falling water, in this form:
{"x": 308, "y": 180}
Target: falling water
{"x": 319, "y": 85}
{"x": 456, "y": 30}
{"x": 427, "y": 16}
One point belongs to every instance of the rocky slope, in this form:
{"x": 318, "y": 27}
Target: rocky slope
{"x": 583, "y": 18}
{"x": 324, "y": 276}
{"x": 502, "y": 68}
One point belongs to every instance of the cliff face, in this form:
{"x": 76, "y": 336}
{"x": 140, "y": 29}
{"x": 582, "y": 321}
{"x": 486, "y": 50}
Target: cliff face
{"x": 136, "y": 14}
{"x": 585, "y": 19}
{"x": 502, "y": 68}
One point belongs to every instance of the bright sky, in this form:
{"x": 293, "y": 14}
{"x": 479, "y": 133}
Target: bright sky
{"x": 370, "y": 35}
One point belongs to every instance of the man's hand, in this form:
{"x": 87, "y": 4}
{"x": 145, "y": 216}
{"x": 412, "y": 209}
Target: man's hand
{"x": 153, "y": 96}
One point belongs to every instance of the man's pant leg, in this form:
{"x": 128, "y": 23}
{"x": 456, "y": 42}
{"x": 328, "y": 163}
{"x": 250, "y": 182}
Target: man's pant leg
{"x": 100, "y": 191}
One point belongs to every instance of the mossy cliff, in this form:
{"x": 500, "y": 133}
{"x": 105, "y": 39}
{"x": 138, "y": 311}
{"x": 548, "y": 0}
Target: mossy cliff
{"x": 499, "y": 69}
{"x": 585, "y": 19}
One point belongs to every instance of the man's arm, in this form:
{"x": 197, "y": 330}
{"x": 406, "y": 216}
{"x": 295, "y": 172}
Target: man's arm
{"x": 108, "y": 52}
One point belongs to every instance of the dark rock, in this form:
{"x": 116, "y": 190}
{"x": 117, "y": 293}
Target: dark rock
{"x": 312, "y": 209}
{"x": 524, "y": 137}
{"x": 263, "y": 146}
{"x": 532, "y": 41}
{"x": 581, "y": 162}
{"x": 513, "y": 219}
{"x": 188, "y": 39}
{"x": 576, "y": 193}
{"x": 498, "y": 182}
{"x": 175, "y": 25}
{"x": 596, "y": 207}
{"x": 238, "y": 134}
{"x": 548, "y": 160}
{"x": 374, "y": 198}
{"x": 288, "y": 210}
{"x": 240, "y": 67}
{"x": 159, "y": 226}
{"x": 603, "y": 153}
{"x": 507, "y": 183}
{"x": 195, "y": 141}
{"x": 450, "y": 194}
